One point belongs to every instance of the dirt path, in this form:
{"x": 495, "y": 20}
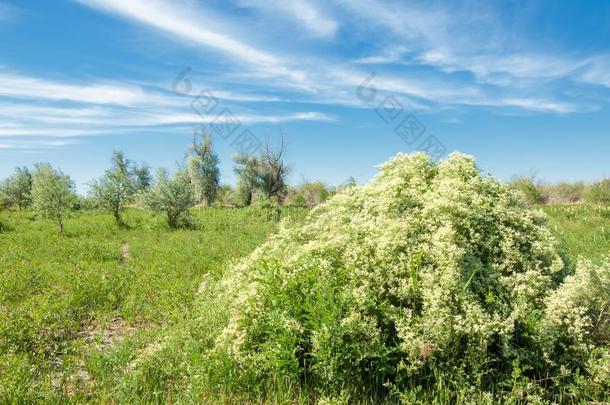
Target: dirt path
{"x": 124, "y": 253}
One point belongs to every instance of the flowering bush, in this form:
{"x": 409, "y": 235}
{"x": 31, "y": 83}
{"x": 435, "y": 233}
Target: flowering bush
{"x": 431, "y": 279}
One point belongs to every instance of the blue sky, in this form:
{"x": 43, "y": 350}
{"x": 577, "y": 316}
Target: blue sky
{"x": 522, "y": 85}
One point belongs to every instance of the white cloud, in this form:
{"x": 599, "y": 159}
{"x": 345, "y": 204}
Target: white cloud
{"x": 313, "y": 18}
{"x": 598, "y": 71}
{"x": 443, "y": 37}
{"x": 186, "y": 22}
{"x": 308, "y": 14}
{"x": 428, "y": 35}
{"x": 20, "y": 120}
{"x": 25, "y": 87}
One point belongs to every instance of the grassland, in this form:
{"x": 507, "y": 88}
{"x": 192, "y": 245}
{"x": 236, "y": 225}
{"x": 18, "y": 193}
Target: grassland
{"x": 78, "y": 310}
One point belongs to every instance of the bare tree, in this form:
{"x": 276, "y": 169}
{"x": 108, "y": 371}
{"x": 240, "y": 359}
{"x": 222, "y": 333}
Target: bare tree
{"x": 273, "y": 172}
{"x": 267, "y": 174}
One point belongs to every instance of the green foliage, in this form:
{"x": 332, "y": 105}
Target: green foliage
{"x": 563, "y": 193}
{"x": 272, "y": 172}
{"x": 17, "y": 188}
{"x": 226, "y": 197}
{"x": 266, "y": 208}
{"x": 142, "y": 179}
{"x": 52, "y": 193}
{"x": 309, "y": 194}
{"x": 85, "y": 203}
{"x": 74, "y": 316}
{"x": 246, "y": 168}
{"x": 599, "y": 193}
{"x": 582, "y": 230}
{"x": 117, "y": 187}
{"x": 265, "y": 174}
{"x": 528, "y": 190}
{"x": 429, "y": 281}
{"x": 203, "y": 171}
{"x": 431, "y": 284}
{"x": 172, "y": 197}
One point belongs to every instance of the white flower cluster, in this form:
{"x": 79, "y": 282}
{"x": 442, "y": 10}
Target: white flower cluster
{"x": 429, "y": 273}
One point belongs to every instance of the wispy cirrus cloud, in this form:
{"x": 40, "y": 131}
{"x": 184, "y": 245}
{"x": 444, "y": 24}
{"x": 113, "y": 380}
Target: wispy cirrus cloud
{"x": 597, "y": 71}
{"x": 310, "y": 15}
{"x": 188, "y": 23}
{"x": 443, "y": 36}
{"x": 426, "y": 35}
{"x": 36, "y": 144}
{"x": 27, "y": 87}
{"x": 425, "y": 38}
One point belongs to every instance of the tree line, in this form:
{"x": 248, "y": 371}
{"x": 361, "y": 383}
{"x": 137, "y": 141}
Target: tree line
{"x": 125, "y": 183}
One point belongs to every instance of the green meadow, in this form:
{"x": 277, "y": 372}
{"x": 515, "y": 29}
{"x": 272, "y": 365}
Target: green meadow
{"x": 79, "y": 310}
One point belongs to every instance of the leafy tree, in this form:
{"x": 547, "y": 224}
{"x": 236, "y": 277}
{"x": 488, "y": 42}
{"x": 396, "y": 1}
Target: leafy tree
{"x": 203, "y": 171}
{"x": 117, "y": 187}
{"x": 171, "y": 196}
{"x": 52, "y": 193}
{"x": 247, "y": 170}
{"x": 18, "y": 187}
{"x": 142, "y": 178}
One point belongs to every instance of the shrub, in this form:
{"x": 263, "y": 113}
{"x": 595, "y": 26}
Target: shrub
{"x": 117, "y": 187}
{"x": 563, "y": 193}
{"x": 266, "y": 208}
{"x": 4, "y": 200}
{"x": 17, "y": 188}
{"x": 576, "y": 326}
{"x": 599, "y": 193}
{"x": 308, "y": 194}
{"x": 430, "y": 277}
{"x": 226, "y": 197}
{"x": 52, "y": 193}
{"x": 172, "y": 197}
{"x": 528, "y": 190}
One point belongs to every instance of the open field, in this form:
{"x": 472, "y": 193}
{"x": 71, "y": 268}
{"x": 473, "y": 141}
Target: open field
{"x": 67, "y": 301}
{"x": 77, "y": 310}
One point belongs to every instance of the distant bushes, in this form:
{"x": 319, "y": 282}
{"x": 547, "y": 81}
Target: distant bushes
{"x": 562, "y": 192}
{"x": 599, "y": 193}
{"x": 528, "y": 190}
{"x": 309, "y": 194}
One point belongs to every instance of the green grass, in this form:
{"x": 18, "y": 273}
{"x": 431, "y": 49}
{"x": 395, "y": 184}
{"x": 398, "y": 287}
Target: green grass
{"x": 61, "y": 294}
{"x": 582, "y": 230}
{"x": 80, "y": 322}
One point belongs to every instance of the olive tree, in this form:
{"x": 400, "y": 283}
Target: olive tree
{"x": 172, "y": 196}
{"x": 142, "y": 178}
{"x": 52, "y": 193}
{"x": 203, "y": 170}
{"x": 247, "y": 169}
{"x": 116, "y": 188}
{"x": 18, "y": 187}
